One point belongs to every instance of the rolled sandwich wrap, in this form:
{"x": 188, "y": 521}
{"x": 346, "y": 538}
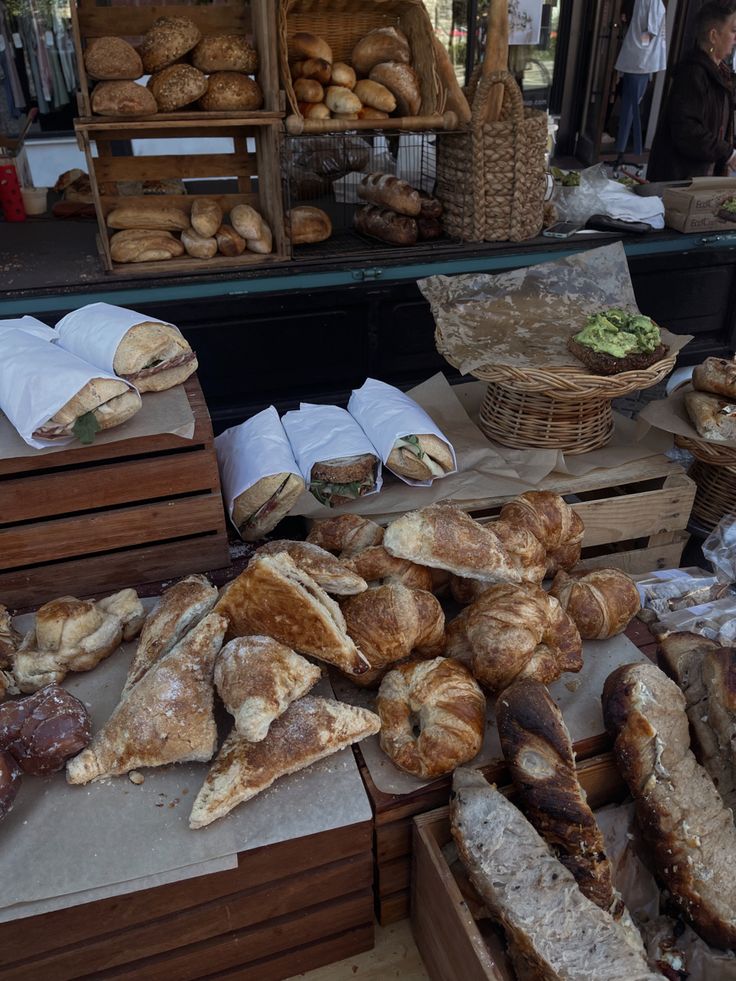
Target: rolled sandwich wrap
{"x": 339, "y": 481}
{"x": 150, "y": 354}
{"x": 31, "y": 326}
{"x": 260, "y": 477}
{"x": 100, "y": 404}
{"x": 420, "y": 457}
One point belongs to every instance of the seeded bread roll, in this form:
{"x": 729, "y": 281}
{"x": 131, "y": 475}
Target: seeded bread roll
{"x": 231, "y": 91}
{"x": 122, "y": 99}
{"x": 403, "y": 82}
{"x": 112, "y": 58}
{"x": 167, "y": 41}
{"x": 177, "y": 86}
{"x": 197, "y": 245}
{"x": 225, "y": 53}
{"x": 206, "y": 216}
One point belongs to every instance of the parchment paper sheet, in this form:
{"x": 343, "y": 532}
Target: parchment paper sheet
{"x": 486, "y": 469}
{"x": 60, "y": 841}
{"x": 670, "y": 415}
{"x": 161, "y": 412}
{"x": 578, "y": 696}
{"x": 525, "y": 317}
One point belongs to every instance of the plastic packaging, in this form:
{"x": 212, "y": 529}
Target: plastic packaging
{"x": 719, "y": 548}
{"x": 579, "y": 203}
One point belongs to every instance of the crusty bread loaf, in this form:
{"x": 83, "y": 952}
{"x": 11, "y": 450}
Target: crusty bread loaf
{"x": 716, "y": 375}
{"x": 229, "y": 243}
{"x": 343, "y": 75}
{"x": 112, "y": 58}
{"x": 429, "y": 228}
{"x": 304, "y": 45}
{"x": 198, "y": 245}
{"x": 145, "y": 246}
{"x": 122, "y": 99}
{"x": 713, "y": 416}
{"x": 314, "y": 110}
{"x": 206, "y": 216}
{"x": 152, "y": 216}
{"x": 177, "y": 86}
{"x": 688, "y": 831}
{"x": 388, "y": 226}
{"x": 308, "y": 224}
{"x": 375, "y": 95}
{"x": 263, "y": 243}
{"x": 403, "y": 82}
{"x": 168, "y": 40}
{"x": 225, "y": 53}
{"x": 316, "y": 68}
{"x": 230, "y": 92}
{"x": 390, "y": 192}
{"x": 308, "y": 90}
{"x": 246, "y": 221}
{"x": 380, "y": 45}
{"x": 341, "y": 100}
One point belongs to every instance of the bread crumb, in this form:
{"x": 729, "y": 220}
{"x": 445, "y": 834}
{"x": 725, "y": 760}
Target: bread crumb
{"x": 135, "y": 777}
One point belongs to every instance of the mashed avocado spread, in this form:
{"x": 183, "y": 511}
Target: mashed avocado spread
{"x": 619, "y": 333}
{"x": 729, "y": 206}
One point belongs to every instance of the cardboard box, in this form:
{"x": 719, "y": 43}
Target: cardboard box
{"x": 697, "y": 207}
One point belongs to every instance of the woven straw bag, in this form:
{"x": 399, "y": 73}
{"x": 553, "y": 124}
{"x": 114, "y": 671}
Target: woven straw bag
{"x": 491, "y": 179}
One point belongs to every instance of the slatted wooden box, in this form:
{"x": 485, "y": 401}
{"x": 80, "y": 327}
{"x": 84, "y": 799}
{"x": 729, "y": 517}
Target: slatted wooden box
{"x": 254, "y": 19}
{"x": 286, "y": 908}
{"x": 452, "y": 944}
{"x": 246, "y": 171}
{"x": 393, "y": 814}
{"x": 100, "y": 517}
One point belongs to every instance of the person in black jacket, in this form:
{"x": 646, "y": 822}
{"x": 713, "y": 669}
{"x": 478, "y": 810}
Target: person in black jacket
{"x": 696, "y": 130}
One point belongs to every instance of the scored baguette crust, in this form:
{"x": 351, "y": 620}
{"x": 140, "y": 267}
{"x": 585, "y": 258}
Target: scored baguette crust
{"x": 388, "y": 191}
{"x": 388, "y": 226}
{"x": 310, "y": 729}
{"x": 539, "y": 753}
{"x": 689, "y": 831}
{"x": 553, "y": 931}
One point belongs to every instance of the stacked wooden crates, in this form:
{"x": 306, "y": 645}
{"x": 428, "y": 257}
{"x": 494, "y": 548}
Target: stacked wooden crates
{"x": 252, "y": 162}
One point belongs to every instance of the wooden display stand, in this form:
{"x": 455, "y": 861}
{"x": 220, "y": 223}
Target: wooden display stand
{"x": 100, "y": 517}
{"x": 452, "y": 944}
{"x": 393, "y": 814}
{"x": 286, "y": 908}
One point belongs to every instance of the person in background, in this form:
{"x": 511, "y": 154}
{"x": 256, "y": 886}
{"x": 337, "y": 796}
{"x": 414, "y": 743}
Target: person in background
{"x": 643, "y": 53}
{"x": 696, "y": 129}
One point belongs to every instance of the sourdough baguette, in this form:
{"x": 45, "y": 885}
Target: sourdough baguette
{"x": 689, "y": 831}
{"x": 386, "y": 225}
{"x": 390, "y": 192}
{"x": 540, "y": 757}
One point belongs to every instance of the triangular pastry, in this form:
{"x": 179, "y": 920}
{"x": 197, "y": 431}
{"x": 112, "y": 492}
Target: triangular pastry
{"x": 257, "y": 678}
{"x": 327, "y": 571}
{"x": 274, "y": 597}
{"x": 177, "y": 611}
{"x": 168, "y": 717}
{"x": 309, "y": 730}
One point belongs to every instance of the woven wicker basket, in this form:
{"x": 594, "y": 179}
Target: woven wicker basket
{"x": 522, "y": 419}
{"x": 342, "y": 23}
{"x": 715, "y": 495}
{"x": 706, "y": 451}
{"x": 491, "y": 180}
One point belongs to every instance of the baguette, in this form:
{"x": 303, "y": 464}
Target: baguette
{"x": 689, "y": 831}
{"x": 388, "y": 226}
{"x": 390, "y": 192}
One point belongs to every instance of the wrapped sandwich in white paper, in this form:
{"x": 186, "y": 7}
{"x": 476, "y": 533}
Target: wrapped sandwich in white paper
{"x": 410, "y": 444}
{"x": 150, "y": 354}
{"x": 337, "y": 460}
{"x": 30, "y": 326}
{"x": 259, "y": 475}
{"x": 51, "y": 396}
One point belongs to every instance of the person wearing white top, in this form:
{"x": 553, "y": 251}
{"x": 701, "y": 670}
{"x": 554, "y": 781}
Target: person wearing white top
{"x": 643, "y": 52}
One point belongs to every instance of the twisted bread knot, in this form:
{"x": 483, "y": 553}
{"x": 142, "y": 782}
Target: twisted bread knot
{"x": 442, "y": 699}
{"x": 515, "y": 632}
{"x": 391, "y": 622}
{"x": 552, "y": 522}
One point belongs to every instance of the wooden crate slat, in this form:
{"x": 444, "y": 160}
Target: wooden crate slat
{"x": 91, "y": 533}
{"x": 133, "y": 21}
{"x": 226, "y": 202}
{"x": 176, "y": 125}
{"x": 265, "y": 866}
{"x": 234, "y": 912}
{"x": 394, "y": 876}
{"x": 639, "y": 560}
{"x": 393, "y": 840}
{"x": 145, "y": 168}
{"x": 394, "y": 908}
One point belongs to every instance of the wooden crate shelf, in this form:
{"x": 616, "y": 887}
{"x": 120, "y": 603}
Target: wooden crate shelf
{"x": 254, "y": 19}
{"x": 100, "y": 517}
{"x": 248, "y": 173}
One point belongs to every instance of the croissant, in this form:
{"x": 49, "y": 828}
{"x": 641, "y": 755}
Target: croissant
{"x": 601, "y": 602}
{"x": 518, "y": 632}
{"x": 345, "y": 534}
{"x": 330, "y": 573}
{"x": 391, "y": 622}
{"x": 375, "y": 565}
{"x": 552, "y": 522}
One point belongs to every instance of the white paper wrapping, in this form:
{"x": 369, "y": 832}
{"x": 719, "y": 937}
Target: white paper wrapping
{"x": 257, "y": 448}
{"x": 31, "y": 326}
{"x": 326, "y": 432}
{"x": 386, "y": 414}
{"x": 36, "y": 380}
{"x": 94, "y": 332}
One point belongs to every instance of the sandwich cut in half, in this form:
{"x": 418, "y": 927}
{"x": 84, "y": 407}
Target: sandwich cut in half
{"x": 344, "y": 479}
{"x": 262, "y": 505}
{"x": 420, "y": 457}
{"x": 616, "y": 340}
{"x": 100, "y": 404}
{"x": 154, "y": 357}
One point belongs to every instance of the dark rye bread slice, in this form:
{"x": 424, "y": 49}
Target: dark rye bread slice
{"x": 600, "y": 363}
{"x": 688, "y": 830}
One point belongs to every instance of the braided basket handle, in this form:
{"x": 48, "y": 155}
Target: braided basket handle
{"x": 479, "y": 89}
